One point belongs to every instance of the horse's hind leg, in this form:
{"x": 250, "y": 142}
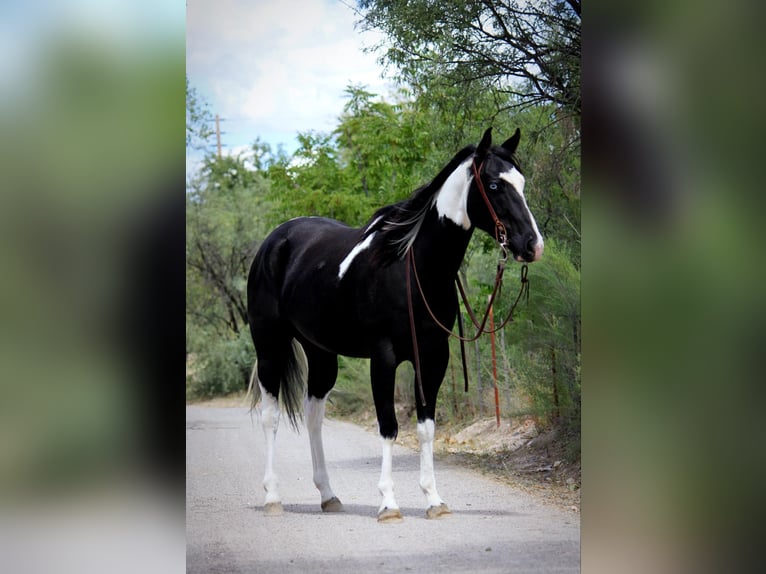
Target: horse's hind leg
{"x": 270, "y": 422}
{"x": 323, "y": 370}
{"x": 273, "y": 359}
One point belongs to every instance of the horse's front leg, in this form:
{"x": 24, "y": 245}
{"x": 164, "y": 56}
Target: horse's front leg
{"x": 382, "y": 376}
{"x": 436, "y": 506}
{"x": 432, "y": 369}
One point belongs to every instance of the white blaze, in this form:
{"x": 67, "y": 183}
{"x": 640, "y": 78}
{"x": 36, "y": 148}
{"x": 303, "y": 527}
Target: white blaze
{"x": 517, "y": 180}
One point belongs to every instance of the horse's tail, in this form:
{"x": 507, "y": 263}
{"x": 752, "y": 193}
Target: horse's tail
{"x": 253, "y": 391}
{"x": 292, "y": 384}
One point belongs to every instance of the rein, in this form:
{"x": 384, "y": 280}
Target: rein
{"x": 502, "y": 240}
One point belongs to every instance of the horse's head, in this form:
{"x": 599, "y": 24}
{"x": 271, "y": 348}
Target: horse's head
{"x": 496, "y": 202}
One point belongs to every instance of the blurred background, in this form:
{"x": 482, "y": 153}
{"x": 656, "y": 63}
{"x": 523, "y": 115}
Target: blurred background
{"x": 672, "y": 283}
{"x": 91, "y": 286}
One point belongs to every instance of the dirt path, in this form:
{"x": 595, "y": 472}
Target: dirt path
{"x": 494, "y": 527}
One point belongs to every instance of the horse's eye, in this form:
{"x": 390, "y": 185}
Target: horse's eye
{"x": 493, "y": 186}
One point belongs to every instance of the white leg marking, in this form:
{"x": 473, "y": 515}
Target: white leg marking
{"x": 386, "y": 484}
{"x": 427, "y": 479}
{"x": 452, "y": 199}
{"x": 314, "y": 409}
{"x": 270, "y": 420}
{"x": 358, "y": 248}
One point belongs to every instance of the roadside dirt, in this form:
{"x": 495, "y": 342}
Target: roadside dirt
{"x": 516, "y": 452}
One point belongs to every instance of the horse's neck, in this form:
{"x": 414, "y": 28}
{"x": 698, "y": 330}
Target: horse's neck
{"x": 440, "y": 248}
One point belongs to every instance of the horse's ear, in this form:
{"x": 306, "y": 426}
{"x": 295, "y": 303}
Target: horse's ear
{"x": 485, "y": 143}
{"x": 512, "y": 142}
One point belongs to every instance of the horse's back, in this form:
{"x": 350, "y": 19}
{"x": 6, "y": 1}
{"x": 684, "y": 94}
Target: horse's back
{"x": 289, "y": 253}
{"x": 293, "y": 238}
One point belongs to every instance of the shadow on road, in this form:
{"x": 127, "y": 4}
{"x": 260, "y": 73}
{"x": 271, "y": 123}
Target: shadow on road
{"x": 369, "y": 511}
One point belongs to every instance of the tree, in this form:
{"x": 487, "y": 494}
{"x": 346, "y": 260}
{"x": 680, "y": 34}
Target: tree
{"x": 542, "y": 343}
{"x": 198, "y": 119}
{"x": 546, "y": 338}
{"x": 223, "y": 211}
{"x": 469, "y": 63}
{"x": 384, "y": 145}
{"x": 528, "y": 51}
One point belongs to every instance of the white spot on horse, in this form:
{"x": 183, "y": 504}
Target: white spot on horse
{"x": 374, "y": 222}
{"x": 452, "y": 199}
{"x": 358, "y": 248}
{"x": 514, "y": 177}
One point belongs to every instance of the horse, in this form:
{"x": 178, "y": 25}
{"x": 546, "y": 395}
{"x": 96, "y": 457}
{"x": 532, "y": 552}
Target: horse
{"x": 318, "y": 288}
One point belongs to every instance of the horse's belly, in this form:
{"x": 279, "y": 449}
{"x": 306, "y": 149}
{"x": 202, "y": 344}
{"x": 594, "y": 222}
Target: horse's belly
{"x": 330, "y": 325}
{"x": 333, "y": 337}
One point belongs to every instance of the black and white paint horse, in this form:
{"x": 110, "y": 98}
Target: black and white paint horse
{"x": 335, "y": 290}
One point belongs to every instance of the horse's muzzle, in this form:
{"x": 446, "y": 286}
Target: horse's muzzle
{"x": 526, "y": 248}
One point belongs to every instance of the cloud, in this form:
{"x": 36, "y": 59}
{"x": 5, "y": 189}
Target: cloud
{"x": 278, "y": 67}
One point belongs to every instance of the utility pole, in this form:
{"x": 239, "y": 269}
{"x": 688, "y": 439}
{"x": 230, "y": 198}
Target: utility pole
{"x": 218, "y": 134}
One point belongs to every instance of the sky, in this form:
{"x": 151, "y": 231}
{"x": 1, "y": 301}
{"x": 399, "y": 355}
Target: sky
{"x": 272, "y": 69}
{"x": 116, "y": 27}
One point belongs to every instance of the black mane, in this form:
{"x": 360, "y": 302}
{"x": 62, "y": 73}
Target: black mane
{"x": 397, "y": 225}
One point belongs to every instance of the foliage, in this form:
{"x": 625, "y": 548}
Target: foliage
{"x": 527, "y": 50}
{"x": 352, "y": 393}
{"x": 545, "y": 339}
{"x": 220, "y": 366}
{"x": 468, "y": 63}
{"x": 538, "y": 352}
{"x": 224, "y": 218}
{"x": 198, "y": 119}
{"x": 223, "y": 211}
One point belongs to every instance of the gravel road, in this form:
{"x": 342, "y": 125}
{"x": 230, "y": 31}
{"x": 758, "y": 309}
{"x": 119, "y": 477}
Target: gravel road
{"x": 493, "y": 528}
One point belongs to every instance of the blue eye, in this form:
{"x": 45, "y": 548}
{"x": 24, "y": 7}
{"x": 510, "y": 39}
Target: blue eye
{"x": 493, "y": 186}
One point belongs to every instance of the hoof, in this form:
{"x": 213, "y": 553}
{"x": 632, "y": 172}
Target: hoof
{"x": 272, "y": 508}
{"x": 390, "y": 515}
{"x": 438, "y": 511}
{"x": 332, "y": 505}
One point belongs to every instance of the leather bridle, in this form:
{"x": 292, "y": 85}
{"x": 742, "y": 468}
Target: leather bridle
{"x": 501, "y": 235}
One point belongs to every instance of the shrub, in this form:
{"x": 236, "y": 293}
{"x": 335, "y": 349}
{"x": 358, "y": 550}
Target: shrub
{"x": 221, "y": 366}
